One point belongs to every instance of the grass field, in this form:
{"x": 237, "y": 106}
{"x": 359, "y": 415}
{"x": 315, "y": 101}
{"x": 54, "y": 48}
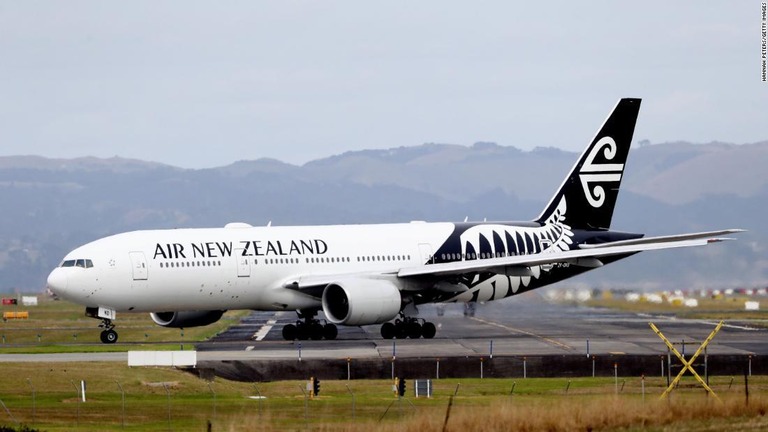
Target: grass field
{"x": 489, "y": 404}
{"x": 53, "y": 323}
{"x": 46, "y": 397}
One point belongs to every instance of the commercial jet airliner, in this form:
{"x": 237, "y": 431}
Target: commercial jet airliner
{"x": 364, "y": 274}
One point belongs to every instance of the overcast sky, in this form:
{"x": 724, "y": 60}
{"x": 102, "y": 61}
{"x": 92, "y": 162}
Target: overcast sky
{"x": 203, "y": 84}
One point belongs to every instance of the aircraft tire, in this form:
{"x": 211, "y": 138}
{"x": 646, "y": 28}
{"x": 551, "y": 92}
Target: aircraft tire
{"x": 316, "y": 331}
{"x": 388, "y": 330}
{"x": 330, "y": 331}
{"x": 302, "y": 332}
{"x": 428, "y": 330}
{"x": 108, "y": 336}
{"x": 401, "y": 330}
{"x": 414, "y": 330}
{"x": 289, "y": 332}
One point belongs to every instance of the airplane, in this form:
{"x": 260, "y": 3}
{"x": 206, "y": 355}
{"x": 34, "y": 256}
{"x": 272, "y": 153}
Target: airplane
{"x": 364, "y": 274}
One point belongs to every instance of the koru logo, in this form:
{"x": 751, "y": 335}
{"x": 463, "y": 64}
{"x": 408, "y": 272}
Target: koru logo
{"x": 592, "y": 173}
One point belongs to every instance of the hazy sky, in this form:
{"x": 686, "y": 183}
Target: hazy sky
{"x": 202, "y": 84}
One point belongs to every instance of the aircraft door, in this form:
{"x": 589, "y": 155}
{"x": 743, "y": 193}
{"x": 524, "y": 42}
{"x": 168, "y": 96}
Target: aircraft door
{"x": 425, "y": 250}
{"x": 243, "y": 264}
{"x": 139, "y": 265}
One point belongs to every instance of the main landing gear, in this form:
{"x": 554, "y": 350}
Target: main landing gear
{"x": 307, "y": 327}
{"x": 404, "y": 327}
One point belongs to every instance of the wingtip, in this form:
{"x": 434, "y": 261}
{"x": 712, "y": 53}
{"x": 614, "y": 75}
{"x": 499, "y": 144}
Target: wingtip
{"x": 720, "y": 239}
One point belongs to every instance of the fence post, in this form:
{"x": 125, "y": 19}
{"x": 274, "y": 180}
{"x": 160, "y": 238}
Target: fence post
{"x": 258, "y": 392}
{"x": 77, "y": 396}
{"x": 353, "y": 402}
{"x": 122, "y": 397}
{"x": 34, "y": 404}
{"x": 168, "y": 395}
{"x": 9, "y": 413}
{"x": 214, "y": 401}
{"x": 306, "y": 408}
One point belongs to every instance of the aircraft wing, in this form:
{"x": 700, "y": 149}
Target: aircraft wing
{"x": 588, "y": 255}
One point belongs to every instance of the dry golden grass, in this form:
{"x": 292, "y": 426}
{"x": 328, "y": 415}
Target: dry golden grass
{"x": 601, "y": 413}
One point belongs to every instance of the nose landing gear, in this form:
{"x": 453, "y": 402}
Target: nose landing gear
{"x": 108, "y": 335}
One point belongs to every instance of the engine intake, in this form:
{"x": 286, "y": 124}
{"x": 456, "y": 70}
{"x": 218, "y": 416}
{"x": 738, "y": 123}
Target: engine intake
{"x": 186, "y": 318}
{"x": 361, "y": 301}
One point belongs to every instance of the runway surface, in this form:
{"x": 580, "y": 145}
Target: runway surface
{"x": 523, "y": 326}
{"x": 513, "y": 327}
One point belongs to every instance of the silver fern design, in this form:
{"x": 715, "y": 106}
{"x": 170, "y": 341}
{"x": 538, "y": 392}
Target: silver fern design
{"x": 554, "y": 236}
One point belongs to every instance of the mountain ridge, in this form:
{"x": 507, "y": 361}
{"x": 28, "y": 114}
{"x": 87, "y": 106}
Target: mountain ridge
{"x": 53, "y": 205}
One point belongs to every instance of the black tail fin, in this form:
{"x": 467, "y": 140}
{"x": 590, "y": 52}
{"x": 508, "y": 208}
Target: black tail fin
{"x": 588, "y": 194}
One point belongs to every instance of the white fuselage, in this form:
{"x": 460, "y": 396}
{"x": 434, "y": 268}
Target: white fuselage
{"x": 238, "y": 267}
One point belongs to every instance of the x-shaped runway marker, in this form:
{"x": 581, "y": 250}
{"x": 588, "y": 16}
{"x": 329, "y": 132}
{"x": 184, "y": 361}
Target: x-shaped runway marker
{"x": 687, "y": 364}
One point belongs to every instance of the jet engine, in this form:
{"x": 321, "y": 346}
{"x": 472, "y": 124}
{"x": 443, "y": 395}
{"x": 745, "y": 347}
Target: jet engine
{"x": 361, "y": 301}
{"x": 186, "y": 318}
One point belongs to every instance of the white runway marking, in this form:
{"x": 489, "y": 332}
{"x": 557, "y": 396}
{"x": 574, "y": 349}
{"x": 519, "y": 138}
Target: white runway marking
{"x": 262, "y": 333}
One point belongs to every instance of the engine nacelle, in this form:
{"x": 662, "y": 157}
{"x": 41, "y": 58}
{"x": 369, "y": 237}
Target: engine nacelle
{"x": 185, "y": 319}
{"x": 361, "y": 301}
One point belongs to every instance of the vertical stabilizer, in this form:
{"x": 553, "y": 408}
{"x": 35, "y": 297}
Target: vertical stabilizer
{"x": 588, "y": 194}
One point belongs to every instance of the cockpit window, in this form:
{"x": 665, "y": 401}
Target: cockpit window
{"x": 83, "y": 263}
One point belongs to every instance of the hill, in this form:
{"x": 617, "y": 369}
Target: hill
{"x": 53, "y": 205}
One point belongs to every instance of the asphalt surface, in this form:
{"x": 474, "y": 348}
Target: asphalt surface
{"x": 512, "y": 327}
{"x": 522, "y": 326}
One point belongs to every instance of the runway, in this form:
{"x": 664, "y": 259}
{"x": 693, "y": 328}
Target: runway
{"x": 524, "y": 326}
{"x": 513, "y": 337}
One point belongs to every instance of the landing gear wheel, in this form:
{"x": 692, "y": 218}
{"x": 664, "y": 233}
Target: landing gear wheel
{"x": 108, "y": 336}
{"x": 428, "y": 330}
{"x": 408, "y": 327}
{"x": 289, "y": 332}
{"x": 330, "y": 331}
{"x": 302, "y": 332}
{"x": 316, "y": 331}
{"x": 414, "y": 330}
{"x": 388, "y": 330}
{"x": 401, "y": 330}
{"x": 308, "y": 327}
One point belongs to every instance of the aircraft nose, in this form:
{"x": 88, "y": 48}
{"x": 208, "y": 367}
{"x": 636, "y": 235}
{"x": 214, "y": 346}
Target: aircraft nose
{"x": 57, "y": 281}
